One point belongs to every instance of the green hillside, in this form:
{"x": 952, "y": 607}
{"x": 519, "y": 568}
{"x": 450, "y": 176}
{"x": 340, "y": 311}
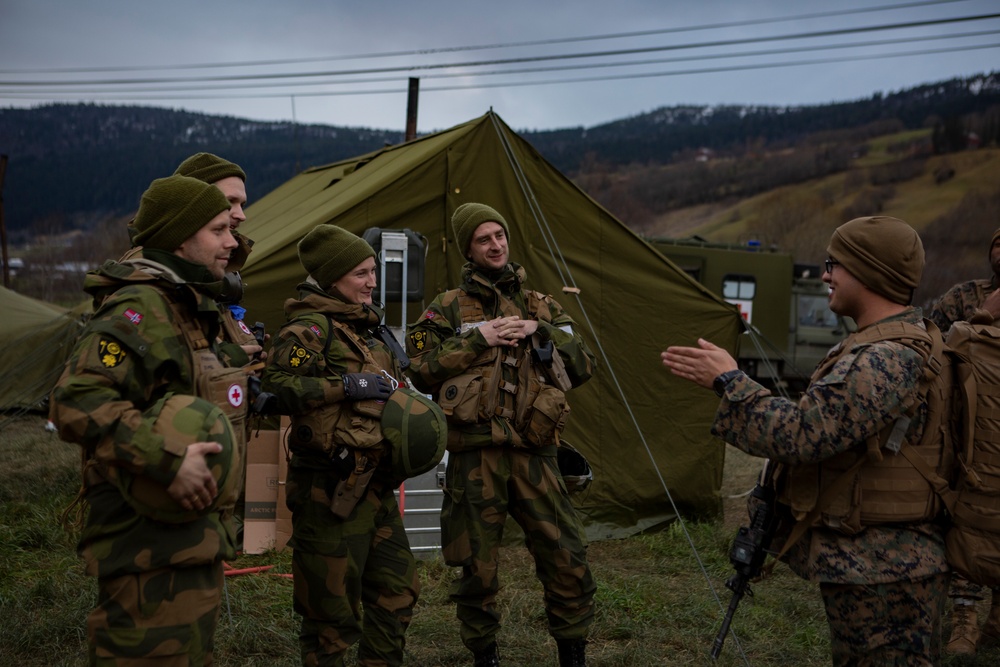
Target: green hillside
{"x": 951, "y": 199}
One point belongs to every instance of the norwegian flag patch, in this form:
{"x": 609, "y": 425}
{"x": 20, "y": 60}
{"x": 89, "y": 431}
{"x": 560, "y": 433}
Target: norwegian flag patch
{"x": 429, "y": 315}
{"x": 316, "y": 330}
{"x": 133, "y": 316}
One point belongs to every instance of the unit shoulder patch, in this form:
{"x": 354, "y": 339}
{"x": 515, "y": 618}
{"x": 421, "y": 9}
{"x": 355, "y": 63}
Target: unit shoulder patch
{"x": 111, "y": 352}
{"x": 418, "y": 339}
{"x": 298, "y": 355}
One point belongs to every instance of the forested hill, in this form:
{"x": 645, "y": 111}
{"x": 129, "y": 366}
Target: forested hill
{"x": 73, "y": 164}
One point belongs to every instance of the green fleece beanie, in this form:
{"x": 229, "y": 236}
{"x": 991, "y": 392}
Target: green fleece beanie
{"x": 467, "y": 218}
{"x": 884, "y": 253}
{"x": 328, "y": 252}
{"x": 209, "y": 168}
{"x": 173, "y": 209}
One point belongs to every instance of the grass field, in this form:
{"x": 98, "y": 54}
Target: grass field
{"x": 656, "y": 603}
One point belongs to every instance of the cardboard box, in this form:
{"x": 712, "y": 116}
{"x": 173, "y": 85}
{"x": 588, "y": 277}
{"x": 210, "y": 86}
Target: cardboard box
{"x": 267, "y": 523}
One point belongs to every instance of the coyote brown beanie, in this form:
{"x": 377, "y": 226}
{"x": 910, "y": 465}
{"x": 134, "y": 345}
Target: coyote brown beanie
{"x": 884, "y": 253}
{"x": 328, "y": 252}
{"x": 173, "y": 209}
{"x": 468, "y": 217}
{"x": 209, "y": 168}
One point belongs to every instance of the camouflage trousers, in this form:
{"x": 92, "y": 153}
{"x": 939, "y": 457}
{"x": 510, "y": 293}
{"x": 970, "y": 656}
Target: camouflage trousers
{"x": 165, "y": 617}
{"x": 884, "y": 625}
{"x": 342, "y": 566}
{"x": 482, "y": 487}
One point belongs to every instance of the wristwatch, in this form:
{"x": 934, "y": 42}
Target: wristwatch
{"x": 720, "y": 382}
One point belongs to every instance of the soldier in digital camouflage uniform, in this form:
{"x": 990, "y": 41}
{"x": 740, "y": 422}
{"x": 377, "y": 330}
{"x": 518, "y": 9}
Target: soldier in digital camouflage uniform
{"x": 472, "y": 349}
{"x": 151, "y": 342}
{"x": 879, "y": 558}
{"x": 332, "y": 373}
{"x": 976, "y": 301}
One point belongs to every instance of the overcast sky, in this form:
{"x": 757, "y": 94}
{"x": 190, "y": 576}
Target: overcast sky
{"x": 577, "y": 81}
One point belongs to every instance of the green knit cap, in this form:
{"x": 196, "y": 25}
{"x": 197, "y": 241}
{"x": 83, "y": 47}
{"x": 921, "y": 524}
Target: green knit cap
{"x": 884, "y": 253}
{"x": 468, "y": 217}
{"x": 328, "y": 252}
{"x": 173, "y": 209}
{"x": 209, "y": 168}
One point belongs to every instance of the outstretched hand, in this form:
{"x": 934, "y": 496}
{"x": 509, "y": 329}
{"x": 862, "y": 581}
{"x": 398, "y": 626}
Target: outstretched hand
{"x": 701, "y": 364}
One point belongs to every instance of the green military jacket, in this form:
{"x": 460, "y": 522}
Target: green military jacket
{"x": 443, "y": 345}
{"x": 131, "y": 354}
{"x": 324, "y": 338}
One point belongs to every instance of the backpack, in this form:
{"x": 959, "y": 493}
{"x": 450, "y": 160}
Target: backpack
{"x": 973, "y": 538}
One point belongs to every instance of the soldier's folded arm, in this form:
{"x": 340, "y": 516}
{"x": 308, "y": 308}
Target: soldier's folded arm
{"x": 95, "y": 404}
{"x": 577, "y": 357}
{"x": 437, "y": 353}
{"x": 289, "y": 375}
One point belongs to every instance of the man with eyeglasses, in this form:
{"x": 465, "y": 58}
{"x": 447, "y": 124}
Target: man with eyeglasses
{"x": 879, "y": 558}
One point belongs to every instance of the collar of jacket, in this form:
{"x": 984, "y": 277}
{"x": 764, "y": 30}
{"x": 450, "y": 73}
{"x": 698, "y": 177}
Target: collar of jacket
{"x": 507, "y": 281}
{"x": 151, "y": 266}
{"x": 312, "y": 299}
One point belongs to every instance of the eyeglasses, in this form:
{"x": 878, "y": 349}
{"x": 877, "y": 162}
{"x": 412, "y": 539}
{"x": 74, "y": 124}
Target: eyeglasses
{"x": 830, "y": 263}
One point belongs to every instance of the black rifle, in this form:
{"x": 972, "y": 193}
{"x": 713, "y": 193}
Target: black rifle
{"x": 750, "y": 549}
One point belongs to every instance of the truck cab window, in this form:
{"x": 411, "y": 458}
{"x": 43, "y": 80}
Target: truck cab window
{"x": 814, "y": 311}
{"x": 738, "y": 286}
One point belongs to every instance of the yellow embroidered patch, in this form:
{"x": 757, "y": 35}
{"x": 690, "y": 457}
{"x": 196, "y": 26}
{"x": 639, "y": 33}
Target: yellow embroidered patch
{"x": 111, "y": 351}
{"x": 419, "y": 339}
{"x": 298, "y": 355}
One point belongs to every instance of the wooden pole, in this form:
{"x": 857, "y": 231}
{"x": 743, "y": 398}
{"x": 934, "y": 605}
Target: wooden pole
{"x": 3, "y": 226}
{"x": 411, "y": 109}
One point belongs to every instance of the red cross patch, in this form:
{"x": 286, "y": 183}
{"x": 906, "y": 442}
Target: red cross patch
{"x": 244, "y": 328}
{"x": 235, "y": 395}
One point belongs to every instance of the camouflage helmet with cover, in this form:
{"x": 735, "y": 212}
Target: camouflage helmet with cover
{"x": 417, "y": 432}
{"x": 182, "y": 420}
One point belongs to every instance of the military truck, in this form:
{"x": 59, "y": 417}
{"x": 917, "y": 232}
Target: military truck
{"x": 790, "y": 326}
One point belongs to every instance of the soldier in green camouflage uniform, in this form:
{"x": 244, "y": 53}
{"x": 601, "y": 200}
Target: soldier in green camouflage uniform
{"x": 472, "y": 349}
{"x": 332, "y": 374}
{"x": 884, "y": 585}
{"x": 152, "y": 338}
{"x": 975, "y": 301}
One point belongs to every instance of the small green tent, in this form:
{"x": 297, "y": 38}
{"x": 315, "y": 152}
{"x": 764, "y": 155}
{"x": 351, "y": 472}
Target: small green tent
{"x": 36, "y": 338}
{"x": 638, "y": 425}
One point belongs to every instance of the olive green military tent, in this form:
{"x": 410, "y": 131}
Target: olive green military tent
{"x": 638, "y": 425}
{"x": 36, "y": 338}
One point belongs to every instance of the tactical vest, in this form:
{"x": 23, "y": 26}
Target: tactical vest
{"x": 504, "y": 382}
{"x": 234, "y": 330}
{"x": 223, "y": 386}
{"x": 353, "y": 424}
{"x": 892, "y": 481}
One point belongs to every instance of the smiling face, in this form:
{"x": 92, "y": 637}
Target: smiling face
{"x": 845, "y": 290}
{"x": 488, "y": 247}
{"x": 210, "y": 246}
{"x": 358, "y": 284}
{"x": 236, "y": 193}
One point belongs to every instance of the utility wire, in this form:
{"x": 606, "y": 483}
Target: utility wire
{"x": 480, "y": 47}
{"x": 518, "y": 84}
{"x": 559, "y": 68}
{"x": 506, "y": 61}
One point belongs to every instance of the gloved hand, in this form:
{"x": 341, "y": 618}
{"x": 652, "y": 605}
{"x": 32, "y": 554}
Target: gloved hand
{"x": 363, "y": 386}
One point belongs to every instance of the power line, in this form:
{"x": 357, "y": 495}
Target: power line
{"x": 563, "y": 68}
{"x": 506, "y": 61}
{"x": 481, "y": 47}
{"x": 521, "y": 84}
